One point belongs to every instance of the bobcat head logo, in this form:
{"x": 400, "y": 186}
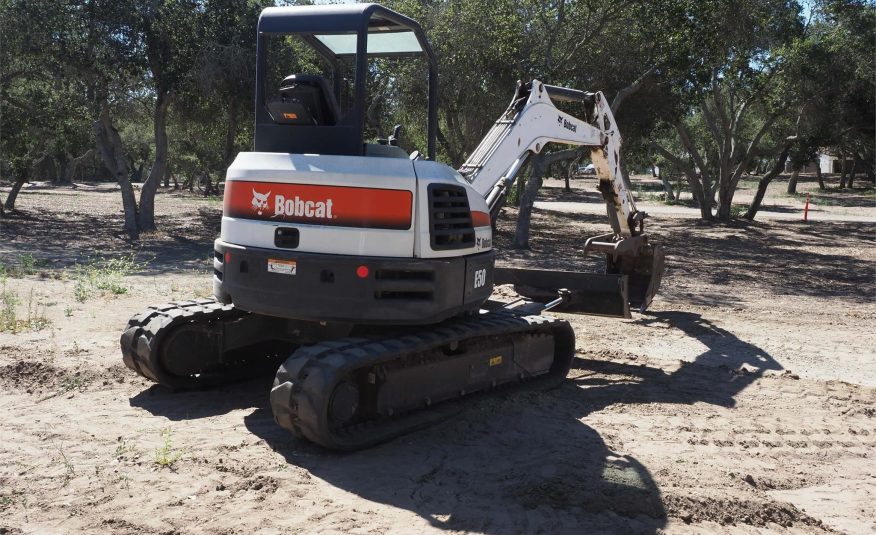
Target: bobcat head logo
{"x": 260, "y": 201}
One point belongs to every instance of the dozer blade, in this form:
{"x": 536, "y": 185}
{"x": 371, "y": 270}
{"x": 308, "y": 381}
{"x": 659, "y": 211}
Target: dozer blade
{"x": 594, "y": 294}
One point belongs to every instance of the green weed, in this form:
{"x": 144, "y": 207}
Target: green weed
{"x": 27, "y": 264}
{"x": 69, "y": 471}
{"x": 166, "y": 456}
{"x": 8, "y": 300}
{"x": 102, "y": 277}
{"x": 72, "y": 382}
{"x": 122, "y": 448}
{"x": 35, "y": 320}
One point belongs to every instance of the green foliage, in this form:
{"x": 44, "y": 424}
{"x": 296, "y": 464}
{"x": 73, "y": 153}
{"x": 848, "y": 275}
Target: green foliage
{"x": 103, "y": 277}
{"x": 27, "y": 264}
{"x": 35, "y": 315}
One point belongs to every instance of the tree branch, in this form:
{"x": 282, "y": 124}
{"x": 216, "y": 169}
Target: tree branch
{"x": 629, "y": 90}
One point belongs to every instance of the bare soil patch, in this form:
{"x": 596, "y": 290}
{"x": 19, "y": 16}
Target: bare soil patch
{"x": 743, "y": 401}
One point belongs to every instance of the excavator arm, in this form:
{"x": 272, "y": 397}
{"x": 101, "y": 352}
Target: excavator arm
{"x": 531, "y": 121}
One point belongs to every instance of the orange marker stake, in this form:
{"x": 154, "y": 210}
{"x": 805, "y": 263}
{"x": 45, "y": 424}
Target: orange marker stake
{"x": 806, "y": 209}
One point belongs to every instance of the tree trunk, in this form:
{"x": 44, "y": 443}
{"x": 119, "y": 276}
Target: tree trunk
{"x": 792, "y": 182}
{"x": 667, "y": 187}
{"x": 63, "y": 166}
{"x": 112, "y": 152}
{"x": 159, "y": 165}
{"x": 75, "y": 164}
{"x": 16, "y": 187}
{"x": 765, "y": 181}
{"x": 725, "y": 201}
{"x": 854, "y": 168}
{"x": 819, "y": 175}
{"x": 573, "y": 169}
{"x": 696, "y": 184}
{"x": 842, "y": 183}
{"x": 870, "y": 169}
{"x": 521, "y": 236}
{"x": 540, "y": 164}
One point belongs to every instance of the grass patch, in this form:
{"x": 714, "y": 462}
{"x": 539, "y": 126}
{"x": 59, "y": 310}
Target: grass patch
{"x": 72, "y": 382}
{"x": 13, "y": 498}
{"x": 27, "y": 264}
{"x": 166, "y": 456}
{"x": 103, "y": 277}
{"x": 35, "y": 320}
{"x": 738, "y": 210}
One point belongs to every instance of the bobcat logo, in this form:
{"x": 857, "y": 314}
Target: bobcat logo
{"x": 259, "y": 201}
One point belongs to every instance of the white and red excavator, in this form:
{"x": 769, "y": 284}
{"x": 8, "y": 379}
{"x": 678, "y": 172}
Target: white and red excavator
{"x": 370, "y": 270}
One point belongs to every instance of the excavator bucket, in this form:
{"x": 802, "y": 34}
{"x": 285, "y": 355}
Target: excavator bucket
{"x": 644, "y": 271}
{"x": 594, "y": 294}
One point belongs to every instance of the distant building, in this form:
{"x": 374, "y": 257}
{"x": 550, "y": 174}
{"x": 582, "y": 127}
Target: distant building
{"x": 828, "y": 164}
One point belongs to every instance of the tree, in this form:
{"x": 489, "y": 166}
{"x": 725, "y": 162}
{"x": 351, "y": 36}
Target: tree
{"x": 823, "y": 71}
{"x": 736, "y": 107}
{"x": 169, "y": 31}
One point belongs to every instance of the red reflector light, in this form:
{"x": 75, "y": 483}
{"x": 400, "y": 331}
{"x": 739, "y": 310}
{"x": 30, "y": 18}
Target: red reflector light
{"x": 227, "y": 257}
{"x": 362, "y": 271}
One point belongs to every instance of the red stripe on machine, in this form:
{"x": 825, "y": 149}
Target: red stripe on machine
{"x": 319, "y": 205}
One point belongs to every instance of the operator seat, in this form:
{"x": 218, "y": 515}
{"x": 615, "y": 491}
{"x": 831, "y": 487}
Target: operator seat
{"x": 305, "y": 99}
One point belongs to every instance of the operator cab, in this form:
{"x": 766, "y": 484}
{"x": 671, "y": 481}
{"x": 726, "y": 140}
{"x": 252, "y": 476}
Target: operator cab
{"x": 314, "y": 67}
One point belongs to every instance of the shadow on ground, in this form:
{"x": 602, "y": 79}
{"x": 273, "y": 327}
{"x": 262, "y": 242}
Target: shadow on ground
{"x": 513, "y": 461}
{"x": 775, "y": 257}
{"x": 63, "y": 239}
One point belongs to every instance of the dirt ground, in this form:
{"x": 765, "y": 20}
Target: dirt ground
{"x": 742, "y": 402}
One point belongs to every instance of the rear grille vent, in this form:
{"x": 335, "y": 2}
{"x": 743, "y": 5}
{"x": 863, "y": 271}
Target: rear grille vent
{"x": 449, "y": 218}
{"x": 404, "y": 275}
{"x": 405, "y": 284}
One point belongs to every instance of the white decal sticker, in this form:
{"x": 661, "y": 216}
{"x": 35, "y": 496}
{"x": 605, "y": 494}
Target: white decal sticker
{"x": 285, "y": 267}
{"x": 259, "y": 201}
{"x": 480, "y": 278}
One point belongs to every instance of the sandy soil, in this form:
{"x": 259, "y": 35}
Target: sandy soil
{"x": 742, "y": 402}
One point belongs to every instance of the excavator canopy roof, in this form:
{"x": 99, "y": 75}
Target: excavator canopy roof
{"x": 336, "y": 26}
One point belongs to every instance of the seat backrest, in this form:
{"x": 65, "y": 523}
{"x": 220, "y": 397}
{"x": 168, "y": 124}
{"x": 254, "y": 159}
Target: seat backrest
{"x": 305, "y": 99}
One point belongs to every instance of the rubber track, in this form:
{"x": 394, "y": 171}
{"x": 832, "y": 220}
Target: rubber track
{"x": 141, "y": 340}
{"x": 304, "y": 383}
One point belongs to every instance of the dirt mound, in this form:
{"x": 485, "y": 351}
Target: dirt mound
{"x": 35, "y": 377}
{"x": 30, "y": 375}
{"x": 730, "y": 512}
{"x": 260, "y": 484}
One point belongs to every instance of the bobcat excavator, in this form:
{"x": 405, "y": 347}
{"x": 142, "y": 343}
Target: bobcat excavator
{"x": 370, "y": 269}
